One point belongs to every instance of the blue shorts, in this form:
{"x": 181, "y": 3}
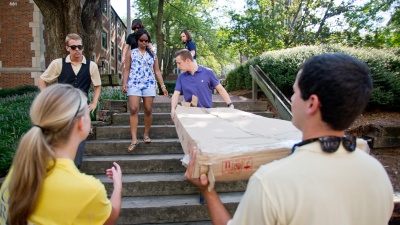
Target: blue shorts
{"x": 148, "y": 92}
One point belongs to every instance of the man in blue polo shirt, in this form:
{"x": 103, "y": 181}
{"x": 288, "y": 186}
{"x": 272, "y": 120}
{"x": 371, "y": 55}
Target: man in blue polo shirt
{"x": 196, "y": 80}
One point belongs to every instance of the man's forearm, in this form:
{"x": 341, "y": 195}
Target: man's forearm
{"x": 218, "y": 213}
{"x": 96, "y": 94}
{"x": 224, "y": 94}
{"x": 174, "y": 101}
{"x": 42, "y": 84}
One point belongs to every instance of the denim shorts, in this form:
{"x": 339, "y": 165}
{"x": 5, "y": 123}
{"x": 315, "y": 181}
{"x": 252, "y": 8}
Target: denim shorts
{"x": 148, "y": 92}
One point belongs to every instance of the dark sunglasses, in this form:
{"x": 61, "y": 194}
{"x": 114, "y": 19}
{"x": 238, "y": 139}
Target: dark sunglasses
{"x": 144, "y": 40}
{"x": 73, "y": 47}
{"x": 137, "y": 28}
{"x": 330, "y": 144}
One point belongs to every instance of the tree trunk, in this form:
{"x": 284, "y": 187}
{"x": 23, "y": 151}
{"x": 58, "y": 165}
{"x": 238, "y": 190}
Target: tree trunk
{"x": 160, "y": 42}
{"x": 323, "y": 20}
{"x": 170, "y": 62}
{"x": 68, "y": 16}
{"x": 167, "y": 52}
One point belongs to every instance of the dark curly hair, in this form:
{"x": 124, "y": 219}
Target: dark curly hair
{"x": 138, "y": 34}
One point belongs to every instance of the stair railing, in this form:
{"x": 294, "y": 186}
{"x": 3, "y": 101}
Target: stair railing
{"x": 274, "y": 95}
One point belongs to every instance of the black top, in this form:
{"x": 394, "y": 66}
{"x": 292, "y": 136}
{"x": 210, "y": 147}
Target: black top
{"x": 82, "y": 80}
{"x": 132, "y": 41}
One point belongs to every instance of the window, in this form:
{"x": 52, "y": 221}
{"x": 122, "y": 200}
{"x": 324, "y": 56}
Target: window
{"x": 120, "y": 76}
{"x": 176, "y": 71}
{"x": 119, "y": 29}
{"x": 105, "y": 7}
{"x": 105, "y": 71}
{"x": 112, "y": 71}
{"x": 112, "y": 20}
{"x": 104, "y": 40}
{"x": 119, "y": 54}
{"x": 112, "y": 49}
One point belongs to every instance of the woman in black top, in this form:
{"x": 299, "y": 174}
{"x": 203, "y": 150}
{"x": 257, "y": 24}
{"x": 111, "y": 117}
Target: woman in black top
{"x": 131, "y": 40}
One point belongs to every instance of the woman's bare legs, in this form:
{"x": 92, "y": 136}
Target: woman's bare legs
{"x": 134, "y": 103}
{"x": 148, "y": 115}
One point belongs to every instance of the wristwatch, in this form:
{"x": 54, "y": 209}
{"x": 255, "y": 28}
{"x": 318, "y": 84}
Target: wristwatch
{"x": 230, "y": 103}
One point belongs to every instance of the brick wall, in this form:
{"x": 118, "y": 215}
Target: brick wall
{"x": 15, "y": 41}
{"x": 22, "y": 43}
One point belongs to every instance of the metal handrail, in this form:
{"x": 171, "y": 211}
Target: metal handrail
{"x": 274, "y": 95}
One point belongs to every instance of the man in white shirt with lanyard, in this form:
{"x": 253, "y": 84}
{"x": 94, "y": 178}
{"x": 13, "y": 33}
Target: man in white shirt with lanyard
{"x": 327, "y": 179}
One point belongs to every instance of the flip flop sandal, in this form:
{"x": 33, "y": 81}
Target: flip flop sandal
{"x": 147, "y": 139}
{"x": 133, "y": 146}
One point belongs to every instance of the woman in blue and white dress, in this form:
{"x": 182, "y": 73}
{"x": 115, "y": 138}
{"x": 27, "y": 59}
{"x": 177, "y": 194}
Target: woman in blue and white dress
{"x": 139, "y": 82}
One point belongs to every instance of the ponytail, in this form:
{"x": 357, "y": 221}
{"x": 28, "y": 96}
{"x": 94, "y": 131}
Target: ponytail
{"x": 33, "y": 159}
{"x": 54, "y": 113}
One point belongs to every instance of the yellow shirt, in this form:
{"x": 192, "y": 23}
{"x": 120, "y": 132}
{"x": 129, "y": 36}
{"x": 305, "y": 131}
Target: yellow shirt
{"x": 69, "y": 197}
{"x": 55, "y": 67}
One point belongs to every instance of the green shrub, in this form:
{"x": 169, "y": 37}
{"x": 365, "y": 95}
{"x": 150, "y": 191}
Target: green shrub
{"x": 283, "y": 65}
{"x": 14, "y": 122}
{"x": 18, "y": 91}
{"x": 170, "y": 85}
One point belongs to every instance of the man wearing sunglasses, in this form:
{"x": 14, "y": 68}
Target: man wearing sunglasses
{"x": 78, "y": 71}
{"x": 327, "y": 179}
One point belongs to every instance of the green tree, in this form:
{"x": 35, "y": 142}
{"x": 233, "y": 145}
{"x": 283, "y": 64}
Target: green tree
{"x": 271, "y": 24}
{"x": 394, "y": 27}
{"x": 176, "y": 16}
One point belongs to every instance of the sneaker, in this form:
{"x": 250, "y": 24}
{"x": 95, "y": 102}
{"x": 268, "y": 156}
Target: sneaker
{"x": 202, "y": 200}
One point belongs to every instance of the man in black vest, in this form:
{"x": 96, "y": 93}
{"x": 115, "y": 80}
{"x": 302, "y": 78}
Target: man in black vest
{"x": 78, "y": 71}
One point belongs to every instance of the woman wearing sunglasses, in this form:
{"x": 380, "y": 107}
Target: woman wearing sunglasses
{"x": 131, "y": 41}
{"x": 43, "y": 185}
{"x": 139, "y": 81}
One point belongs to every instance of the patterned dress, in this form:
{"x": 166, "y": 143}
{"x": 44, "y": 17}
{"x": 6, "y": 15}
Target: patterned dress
{"x": 141, "y": 74}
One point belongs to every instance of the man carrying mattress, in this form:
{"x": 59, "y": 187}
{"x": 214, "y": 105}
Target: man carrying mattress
{"x": 327, "y": 179}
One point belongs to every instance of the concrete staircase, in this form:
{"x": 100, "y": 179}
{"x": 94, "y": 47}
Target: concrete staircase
{"x": 154, "y": 189}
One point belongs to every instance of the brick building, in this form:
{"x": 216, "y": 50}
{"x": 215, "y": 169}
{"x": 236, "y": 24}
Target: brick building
{"x": 23, "y": 46}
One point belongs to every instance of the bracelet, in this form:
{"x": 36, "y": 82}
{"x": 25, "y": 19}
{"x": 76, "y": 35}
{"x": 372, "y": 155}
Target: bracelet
{"x": 163, "y": 86}
{"x": 230, "y": 103}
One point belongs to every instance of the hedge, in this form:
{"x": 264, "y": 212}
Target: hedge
{"x": 18, "y": 91}
{"x": 283, "y": 65}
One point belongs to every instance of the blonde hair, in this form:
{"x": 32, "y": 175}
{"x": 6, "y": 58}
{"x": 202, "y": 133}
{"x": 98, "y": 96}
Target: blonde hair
{"x": 72, "y": 36}
{"x": 53, "y": 113}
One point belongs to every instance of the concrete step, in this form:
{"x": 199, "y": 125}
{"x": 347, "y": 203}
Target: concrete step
{"x": 164, "y": 106}
{"x": 119, "y": 147}
{"x": 158, "y": 119}
{"x": 123, "y": 132}
{"x": 164, "y": 184}
{"x": 170, "y": 209}
{"x": 136, "y": 164}
{"x": 163, "y": 118}
{"x": 265, "y": 114}
{"x": 186, "y": 223}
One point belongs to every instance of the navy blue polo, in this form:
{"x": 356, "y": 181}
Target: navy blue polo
{"x": 201, "y": 84}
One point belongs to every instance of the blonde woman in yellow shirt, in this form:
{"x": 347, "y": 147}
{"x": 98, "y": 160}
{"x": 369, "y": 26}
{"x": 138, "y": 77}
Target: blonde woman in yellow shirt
{"x": 44, "y": 186}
